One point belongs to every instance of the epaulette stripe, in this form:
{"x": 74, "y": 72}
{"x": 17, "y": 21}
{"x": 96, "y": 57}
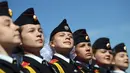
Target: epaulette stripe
{"x": 31, "y": 70}
{"x": 80, "y": 68}
{"x": 2, "y": 71}
{"x": 82, "y": 71}
{"x": 59, "y": 67}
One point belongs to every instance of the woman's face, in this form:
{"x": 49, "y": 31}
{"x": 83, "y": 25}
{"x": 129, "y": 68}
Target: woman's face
{"x": 32, "y": 36}
{"x": 62, "y": 42}
{"x": 103, "y": 56}
{"x": 9, "y": 32}
{"x": 121, "y": 60}
{"x": 84, "y": 51}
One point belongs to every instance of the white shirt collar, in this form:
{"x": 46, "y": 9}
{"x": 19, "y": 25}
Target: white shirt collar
{"x": 6, "y": 58}
{"x": 62, "y": 57}
{"x": 78, "y": 62}
{"x": 81, "y": 62}
{"x": 118, "y": 71}
{"x": 86, "y": 65}
{"x": 96, "y": 66}
{"x": 38, "y": 59}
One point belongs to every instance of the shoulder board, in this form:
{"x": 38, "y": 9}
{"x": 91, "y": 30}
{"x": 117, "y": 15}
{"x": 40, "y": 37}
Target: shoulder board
{"x": 53, "y": 61}
{"x": 25, "y": 63}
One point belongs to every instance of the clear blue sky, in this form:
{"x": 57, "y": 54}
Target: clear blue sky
{"x": 101, "y": 18}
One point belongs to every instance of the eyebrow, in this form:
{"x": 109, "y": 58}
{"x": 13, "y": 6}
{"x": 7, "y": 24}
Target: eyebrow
{"x": 31, "y": 28}
{"x": 61, "y": 33}
{"x": 82, "y": 45}
{"x": 39, "y": 28}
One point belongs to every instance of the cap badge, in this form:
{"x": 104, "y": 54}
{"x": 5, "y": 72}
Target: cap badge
{"x": 124, "y": 47}
{"x": 35, "y": 17}
{"x": 108, "y": 45}
{"x": 87, "y": 38}
{"x": 10, "y": 12}
{"x": 66, "y": 27}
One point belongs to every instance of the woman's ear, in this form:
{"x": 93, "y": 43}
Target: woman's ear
{"x": 93, "y": 57}
{"x": 52, "y": 45}
{"x": 21, "y": 43}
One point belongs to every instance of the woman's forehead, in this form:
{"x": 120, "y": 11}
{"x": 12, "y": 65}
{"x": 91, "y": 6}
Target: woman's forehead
{"x": 27, "y": 26}
{"x": 120, "y": 53}
{"x": 5, "y": 18}
{"x": 64, "y": 32}
{"x": 103, "y": 49}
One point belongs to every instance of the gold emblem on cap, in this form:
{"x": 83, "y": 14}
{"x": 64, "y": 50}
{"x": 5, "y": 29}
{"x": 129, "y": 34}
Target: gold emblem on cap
{"x": 35, "y": 17}
{"x": 87, "y": 38}
{"x": 108, "y": 45}
{"x": 124, "y": 47}
{"x": 10, "y": 12}
{"x": 66, "y": 27}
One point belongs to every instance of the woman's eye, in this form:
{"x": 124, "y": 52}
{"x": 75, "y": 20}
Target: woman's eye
{"x": 89, "y": 44}
{"x": 7, "y": 24}
{"x": 122, "y": 56}
{"x": 40, "y": 31}
{"x": 103, "y": 51}
{"x": 71, "y": 36}
{"x": 61, "y": 34}
{"x": 31, "y": 30}
{"x": 110, "y": 52}
{"x": 82, "y": 45}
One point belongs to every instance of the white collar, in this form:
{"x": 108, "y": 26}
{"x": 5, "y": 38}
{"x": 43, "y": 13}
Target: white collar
{"x": 96, "y": 66}
{"x": 85, "y": 64}
{"x": 6, "y": 58}
{"x": 118, "y": 71}
{"x": 38, "y": 59}
{"x": 62, "y": 57}
{"x": 78, "y": 62}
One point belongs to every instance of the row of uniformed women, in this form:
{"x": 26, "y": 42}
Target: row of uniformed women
{"x": 103, "y": 58}
{"x": 26, "y": 34}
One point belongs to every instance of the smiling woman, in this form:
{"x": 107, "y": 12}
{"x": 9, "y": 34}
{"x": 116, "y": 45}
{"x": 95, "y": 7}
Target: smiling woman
{"x": 120, "y": 60}
{"x": 61, "y": 41}
{"x": 102, "y": 54}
